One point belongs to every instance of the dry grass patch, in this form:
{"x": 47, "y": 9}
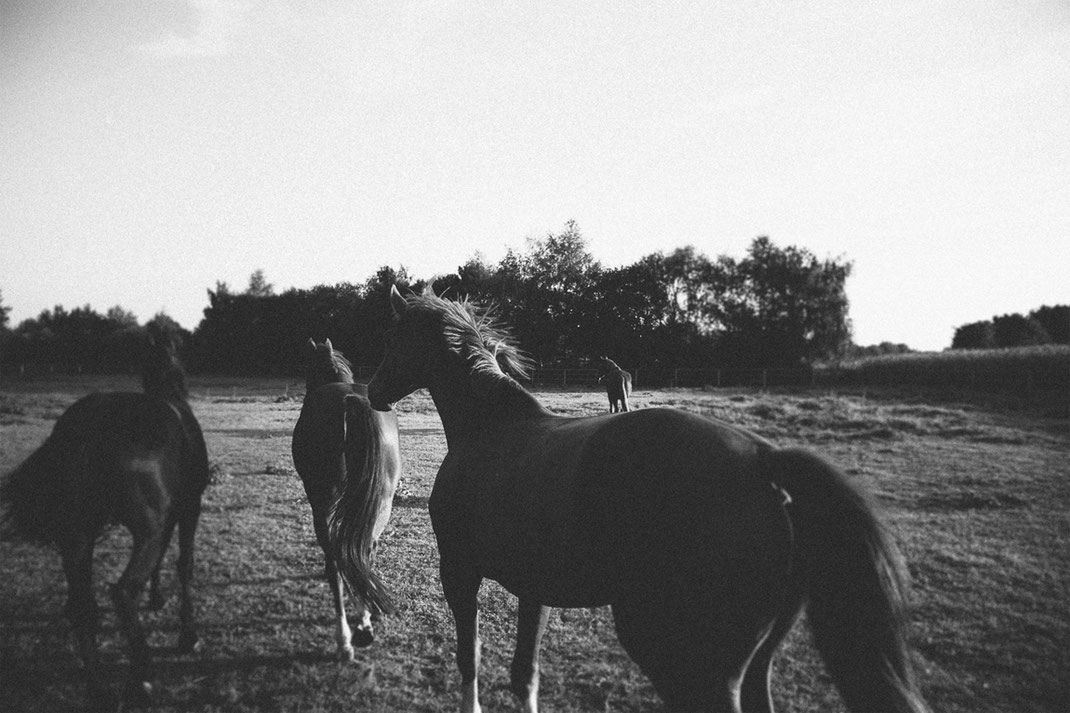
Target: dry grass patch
{"x": 978, "y": 499}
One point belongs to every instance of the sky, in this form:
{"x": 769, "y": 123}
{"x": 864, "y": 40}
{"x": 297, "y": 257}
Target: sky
{"x": 149, "y": 150}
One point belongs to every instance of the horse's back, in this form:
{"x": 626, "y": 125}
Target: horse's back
{"x": 578, "y": 497}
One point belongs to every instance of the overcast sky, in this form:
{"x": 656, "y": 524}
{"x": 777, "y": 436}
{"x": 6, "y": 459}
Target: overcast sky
{"x": 151, "y": 149}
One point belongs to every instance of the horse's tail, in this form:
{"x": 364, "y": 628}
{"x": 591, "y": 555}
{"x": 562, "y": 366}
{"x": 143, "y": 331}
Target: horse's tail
{"x": 30, "y": 494}
{"x": 352, "y": 517}
{"x": 856, "y": 585}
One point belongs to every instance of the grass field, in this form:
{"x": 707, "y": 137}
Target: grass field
{"x": 979, "y": 499}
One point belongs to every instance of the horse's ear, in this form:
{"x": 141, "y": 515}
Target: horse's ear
{"x": 397, "y": 302}
{"x": 329, "y": 345}
{"x": 311, "y": 344}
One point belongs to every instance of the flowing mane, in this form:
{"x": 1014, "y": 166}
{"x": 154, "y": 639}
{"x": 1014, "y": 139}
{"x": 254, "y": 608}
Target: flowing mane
{"x": 474, "y": 333}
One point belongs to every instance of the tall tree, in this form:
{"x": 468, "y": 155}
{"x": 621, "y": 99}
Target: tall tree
{"x": 5, "y": 312}
{"x": 550, "y": 290}
{"x": 783, "y": 306}
{"x": 259, "y": 286}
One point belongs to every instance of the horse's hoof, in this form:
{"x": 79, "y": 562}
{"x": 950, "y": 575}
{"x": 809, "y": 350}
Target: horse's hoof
{"x": 363, "y": 638}
{"x": 138, "y": 694}
{"x": 347, "y": 654}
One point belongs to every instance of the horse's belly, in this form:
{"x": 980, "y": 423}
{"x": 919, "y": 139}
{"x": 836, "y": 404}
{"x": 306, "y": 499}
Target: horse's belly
{"x": 556, "y": 576}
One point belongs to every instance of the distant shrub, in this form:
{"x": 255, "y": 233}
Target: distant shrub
{"x": 976, "y": 335}
{"x": 1015, "y": 330}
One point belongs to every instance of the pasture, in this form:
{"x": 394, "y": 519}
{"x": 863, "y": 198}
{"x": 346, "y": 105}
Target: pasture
{"x": 977, "y": 496}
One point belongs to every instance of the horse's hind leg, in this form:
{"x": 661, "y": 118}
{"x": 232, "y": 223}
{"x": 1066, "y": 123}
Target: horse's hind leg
{"x": 81, "y": 611}
{"x": 680, "y": 663}
{"x": 187, "y": 529}
{"x": 531, "y": 618}
{"x": 125, "y": 593}
{"x": 342, "y": 634}
{"x": 156, "y": 596}
{"x": 756, "y": 695}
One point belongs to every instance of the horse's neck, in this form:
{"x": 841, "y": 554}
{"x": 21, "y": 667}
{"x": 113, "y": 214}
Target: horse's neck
{"x": 169, "y": 386}
{"x": 470, "y": 401}
{"x": 313, "y": 382}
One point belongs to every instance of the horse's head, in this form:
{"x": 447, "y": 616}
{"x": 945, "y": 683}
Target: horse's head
{"x": 406, "y": 353}
{"x": 161, "y": 373}
{"x": 325, "y": 365}
{"x": 607, "y": 364}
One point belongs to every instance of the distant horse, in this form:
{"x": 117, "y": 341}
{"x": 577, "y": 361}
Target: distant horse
{"x": 343, "y": 448}
{"x": 135, "y": 459}
{"x": 618, "y": 384}
{"x": 706, "y": 540}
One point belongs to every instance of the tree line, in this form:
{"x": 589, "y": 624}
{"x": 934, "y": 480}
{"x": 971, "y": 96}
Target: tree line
{"x": 1044, "y": 325}
{"x": 774, "y": 307}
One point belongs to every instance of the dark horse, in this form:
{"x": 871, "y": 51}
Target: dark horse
{"x": 618, "y": 384}
{"x": 134, "y": 459}
{"x": 344, "y": 448}
{"x": 706, "y": 540}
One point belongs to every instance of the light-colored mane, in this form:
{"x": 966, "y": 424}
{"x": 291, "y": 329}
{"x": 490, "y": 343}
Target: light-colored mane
{"x": 472, "y": 332}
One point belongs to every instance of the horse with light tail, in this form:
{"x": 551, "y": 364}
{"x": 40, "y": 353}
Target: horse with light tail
{"x": 347, "y": 456}
{"x": 618, "y": 384}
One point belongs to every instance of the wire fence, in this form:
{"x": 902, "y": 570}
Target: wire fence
{"x": 1021, "y": 378}
{"x": 659, "y": 378}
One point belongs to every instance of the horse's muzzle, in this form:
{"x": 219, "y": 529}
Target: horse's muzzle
{"x": 377, "y": 397}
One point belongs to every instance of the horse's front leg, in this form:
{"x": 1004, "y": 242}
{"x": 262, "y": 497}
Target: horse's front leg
{"x": 531, "y": 618}
{"x": 460, "y": 584}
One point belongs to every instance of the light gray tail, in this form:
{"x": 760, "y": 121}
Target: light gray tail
{"x": 352, "y": 517}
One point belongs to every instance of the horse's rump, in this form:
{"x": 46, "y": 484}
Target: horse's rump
{"x": 102, "y": 444}
{"x": 318, "y": 440}
{"x": 346, "y": 455}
